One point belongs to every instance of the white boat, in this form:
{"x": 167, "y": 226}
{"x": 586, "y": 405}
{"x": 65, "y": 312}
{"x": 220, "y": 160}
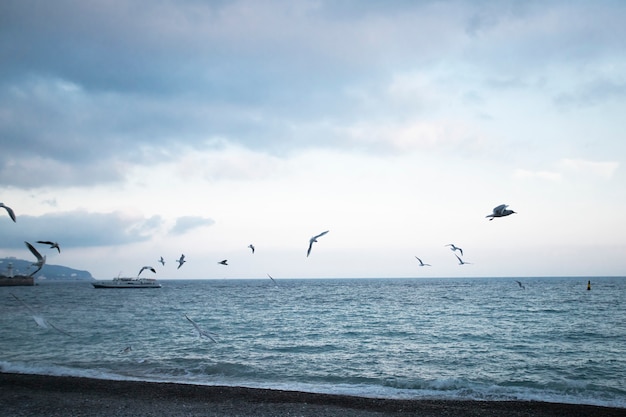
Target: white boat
{"x": 121, "y": 282}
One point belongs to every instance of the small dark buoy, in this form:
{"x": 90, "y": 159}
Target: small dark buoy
{"x": 588, "y": 285}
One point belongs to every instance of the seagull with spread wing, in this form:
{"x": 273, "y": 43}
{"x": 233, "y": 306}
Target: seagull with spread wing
{"x": 10, "y": 211}
{"x": 53, "y": 245}
{"x": 41, "y": 322}
{"x": 500, "y": 211}
{"x": 201, "y": 332}
{"x": 455, "y": 248}
{"x": 273, "y": 280}
{"x": 150, "y": 268}
{"x": 313, "y": 240}
{"x": 41, "y": 260}
{"x": 181, "y": 261}
{"x": 461, "y": 261}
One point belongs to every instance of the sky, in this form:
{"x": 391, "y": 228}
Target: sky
{"x": 131, "y": 130}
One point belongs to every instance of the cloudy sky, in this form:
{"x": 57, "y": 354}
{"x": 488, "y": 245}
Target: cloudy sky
{"x": 131, "y": 130}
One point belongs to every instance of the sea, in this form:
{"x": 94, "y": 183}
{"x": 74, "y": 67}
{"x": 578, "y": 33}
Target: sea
{"x": 542, "y": 339}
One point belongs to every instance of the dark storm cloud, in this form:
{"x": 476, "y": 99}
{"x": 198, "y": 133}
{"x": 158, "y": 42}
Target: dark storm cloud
{"x": 78, "y": 229}
{"x": 90, "y": 89}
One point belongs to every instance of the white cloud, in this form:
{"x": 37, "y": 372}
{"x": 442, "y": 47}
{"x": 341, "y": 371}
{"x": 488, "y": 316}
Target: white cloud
{"x": 572, "y": 168}
{"x": 543, "y": 175}
{"x": 603, "y": 170}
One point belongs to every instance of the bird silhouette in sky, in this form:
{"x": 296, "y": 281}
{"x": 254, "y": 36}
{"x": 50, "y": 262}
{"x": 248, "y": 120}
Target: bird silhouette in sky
{"x": 41, "y": 260}
{"x": 461, "y": 261}
{"x": 500, "y": 211}
{"x": 313, "y": 240}
{"x": 10, "y": 211}
{"x": 181, "y": 261}
{"x": 53, "y": 245}
{"x": 455, "y": 248}
{"x": 148, "y": 268}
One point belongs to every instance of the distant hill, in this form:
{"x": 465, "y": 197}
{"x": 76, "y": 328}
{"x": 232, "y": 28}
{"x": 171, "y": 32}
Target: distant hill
{"x": 51, "y": 272}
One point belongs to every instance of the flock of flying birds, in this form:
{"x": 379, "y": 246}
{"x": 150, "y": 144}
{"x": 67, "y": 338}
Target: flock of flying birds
{"x": 181, "y": 260}
{"x": 499, "y": 211}
{"x": 41, "y": 259}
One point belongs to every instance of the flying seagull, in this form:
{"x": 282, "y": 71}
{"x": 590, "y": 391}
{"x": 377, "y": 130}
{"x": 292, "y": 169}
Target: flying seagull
{"x": 454, "y": 248}
{"x": 421, "y": 263}
{"x": 10, "y": 211}
{"x": 41, "y": 260}
{"x": 41, "y": 322}
{"x": 223, "y": 262}
{"x": 201, "y": 332}
{"x": 461, "y": 261}
{"x": 313, "y": 240}
{"x": 273, "y": 280}
{"x": 146, "y": 267}
{"x": 251, "y": 246}
{"x": 500, "y": 211}
{"x": 181, "y": 261}
{"x": 521, "y": 285}
{"x": 162, "y": 261}
{"x": 53, "y": 245}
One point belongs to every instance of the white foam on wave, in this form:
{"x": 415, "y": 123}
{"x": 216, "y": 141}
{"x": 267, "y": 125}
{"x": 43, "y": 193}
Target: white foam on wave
{"x": 56, "y": 370}
{"x": 439, "y": 389}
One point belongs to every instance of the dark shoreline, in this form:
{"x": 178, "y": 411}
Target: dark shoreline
{"x": 40, "y": 395}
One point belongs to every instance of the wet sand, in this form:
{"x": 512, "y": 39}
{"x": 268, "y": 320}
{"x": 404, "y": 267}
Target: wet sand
{"x": 51, "y": 396}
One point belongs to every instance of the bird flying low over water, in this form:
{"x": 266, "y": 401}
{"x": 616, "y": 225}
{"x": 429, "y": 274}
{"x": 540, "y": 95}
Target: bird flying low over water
{"x": 500, "y": 211}
{"x": 461, "y": 261}
{"x": 313, "y": 240}
{"x": 41, "y": 260}
{"x": 181, "y": 261}
{"x": 223, "y": 262}
{"x": 421, "y": 263}
{"x": 201, "y": 332}
{"x": 521, "y": 285}
{"x": 41, "y": 322}
{"x": 273, "y": 280}
{"x": 162, "y": 261}
{"x": 251, "y": 246}
{"x": 53, "y": 245}
{"x": 455, "y": 248}
{"x": 10, "y": 211}
{"x": 146, "y": 267}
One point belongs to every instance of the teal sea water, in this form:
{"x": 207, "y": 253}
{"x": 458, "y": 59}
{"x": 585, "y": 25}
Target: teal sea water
{"x": 485, "y": 339}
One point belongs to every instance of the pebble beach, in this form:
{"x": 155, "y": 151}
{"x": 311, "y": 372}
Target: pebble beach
{"x": 27, "y": 395}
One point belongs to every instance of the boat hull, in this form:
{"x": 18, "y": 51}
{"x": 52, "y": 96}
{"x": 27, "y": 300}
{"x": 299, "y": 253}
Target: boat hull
{"x": 127, "y": 283}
